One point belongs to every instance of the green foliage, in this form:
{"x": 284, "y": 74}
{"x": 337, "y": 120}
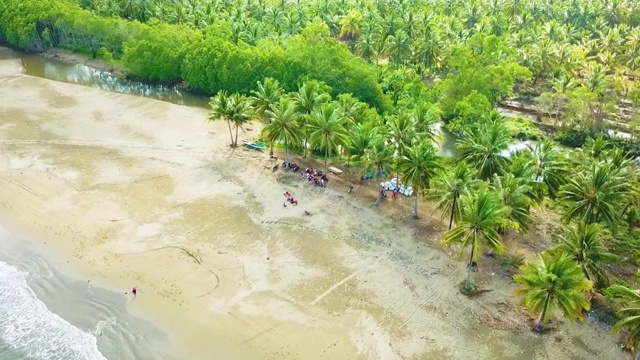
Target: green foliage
{"x": 484, "y": 148}
{"x": 593, "y": 195}
{"x": 522, "y": 129}
{"x": 630, "y": 316}
{"x": 208, "y": 63}
{"x": 557, "y": 281}
{"x": 482, "y": 216}
{"x": 449, "y": 184}
{"x": 582, "y": 244}
{"x": 157, "y": 53}
{"x": 573, "y": 137}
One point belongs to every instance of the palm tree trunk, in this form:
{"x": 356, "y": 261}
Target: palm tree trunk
{"x": 539, "y": 326}
{"x": 230, "y": 132}
{"x": 235, "y": 143}
{"x": 304, "y": 149}
{"x": 326, "y": 156}
{"x": 469, "y": 266}
{"x": 415, "y": 206}
{"x": 271, "y": 150}
{"x": 286, "y": 149}
{"x": 453, "y": 210}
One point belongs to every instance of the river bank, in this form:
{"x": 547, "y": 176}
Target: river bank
{"x": 134, "y": 191}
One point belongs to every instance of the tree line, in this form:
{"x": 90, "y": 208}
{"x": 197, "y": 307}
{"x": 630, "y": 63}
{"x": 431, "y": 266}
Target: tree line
{"x": 583, "y": 56}
{"x": 205, "y": 60}
{"x": 485, "y": 193}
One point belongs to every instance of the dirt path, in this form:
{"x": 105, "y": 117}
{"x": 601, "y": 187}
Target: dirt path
{"x": 136, "y": 191}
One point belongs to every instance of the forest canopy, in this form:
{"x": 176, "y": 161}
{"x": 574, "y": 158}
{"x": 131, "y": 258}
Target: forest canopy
{"x": 207, "y": 59}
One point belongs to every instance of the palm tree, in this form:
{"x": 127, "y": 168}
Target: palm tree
{"x": 595, "y": 194}
{"x": 418, "y": 166}
{"x": 310, "y": 95}
{"x": 326, "y": 129}
{"x": 557, "y": 281}
{"x": 268, "y": 93}
{"x": 221, "y": 109}
{"x": 377, "y": 157}
{"x": 482, "y": 215}
{"x": 484, "y": 149}
{"x": 283, "y": 124}
{"x": 240, "y": 113}
{"x": 401, "y": 128}
{"x": 514, "y": 196}
{"x": 582, "y": 244}
{"x": 550, "y": 166}
{"x": 350, "y": 26}
{"x": 630, "y": 316}
{"x": 449, "y": 185}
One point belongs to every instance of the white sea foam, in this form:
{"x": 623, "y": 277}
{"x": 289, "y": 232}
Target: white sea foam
{"x": 28, "y": 326}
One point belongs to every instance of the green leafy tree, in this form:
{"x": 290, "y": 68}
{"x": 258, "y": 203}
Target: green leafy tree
{"x": 221, "y": 108}
{"x": 265, "y": 96}
{"x": 240, "y": 113}
{"x": 417, "y": 166}
{"x": 482, "y": 215}
{"x": 378, "y": 157}
{"x": 514, "y": 196}
{"x": 594, "y": 194}
{"x": 484, "y": 149}
{"x": 557, "y": 281}
{"x": 550, "y": 166}
{"x": 582, "y": 243}
{"x": 283, "y": 124}
{"x": 630, "y": 316}
{"x": 326, "y": 129}
{"x": 449, "y": 185}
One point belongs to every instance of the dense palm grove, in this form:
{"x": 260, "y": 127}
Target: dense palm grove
{"x": 365, "y": 83}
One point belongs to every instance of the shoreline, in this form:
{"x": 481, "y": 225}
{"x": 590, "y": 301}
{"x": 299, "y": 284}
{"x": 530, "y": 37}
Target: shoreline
{"x": 139, "y": 192}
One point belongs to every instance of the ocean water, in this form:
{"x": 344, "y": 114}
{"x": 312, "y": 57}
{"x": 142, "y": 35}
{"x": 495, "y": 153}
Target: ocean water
{"x": 47, "y": 314}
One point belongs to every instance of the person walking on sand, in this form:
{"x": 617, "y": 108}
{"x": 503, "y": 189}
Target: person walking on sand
{"x": 134, "y": 290}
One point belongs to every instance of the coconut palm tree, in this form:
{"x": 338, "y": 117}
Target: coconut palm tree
{"x": 240, "y": 113}
{"x": 514, "y": 196}
{"x": 630, "y": 316}
{"x": 310, "y": 95}
{"x": 221, "y": 109}
{"x": 449, "y": 185}
{"x": 267, "y": 94}
{"x": 482, "y": 215}
{"x": 417, "y": 166}
{"x": 484, "y": 149}
{"x": 326, "y": 129}
{"x": 377, "y": 157}
{"x": 283, "y": 124}
{"x": 550, "y": 166}
{"x": 594, "y": 195}
{"x": 557, "y": 281}
{"x": 582, "y": 243}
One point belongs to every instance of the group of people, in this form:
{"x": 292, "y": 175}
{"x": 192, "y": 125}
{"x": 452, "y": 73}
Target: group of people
{"x": 317, "y": 178}
{"x": 383, "y": 194}
{"x": 290, "y": 166}
{"x": 290, "y": 199}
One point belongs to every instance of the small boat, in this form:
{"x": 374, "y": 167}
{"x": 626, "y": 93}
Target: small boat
{"x": 254, "y": 145}
{"x": 335, "y": 170}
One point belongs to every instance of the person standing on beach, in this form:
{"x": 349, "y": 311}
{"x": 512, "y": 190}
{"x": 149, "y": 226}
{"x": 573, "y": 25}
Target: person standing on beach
{"x": 134, "y": 290}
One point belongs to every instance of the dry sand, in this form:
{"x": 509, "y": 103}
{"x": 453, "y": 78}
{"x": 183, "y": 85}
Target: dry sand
{"x": 135, "y": 191}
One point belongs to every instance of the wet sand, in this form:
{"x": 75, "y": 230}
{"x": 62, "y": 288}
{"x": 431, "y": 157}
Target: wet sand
{"x": 135, "y": 191}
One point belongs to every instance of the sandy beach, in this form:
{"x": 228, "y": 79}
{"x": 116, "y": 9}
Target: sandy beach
{"x": 135, "y": 191}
